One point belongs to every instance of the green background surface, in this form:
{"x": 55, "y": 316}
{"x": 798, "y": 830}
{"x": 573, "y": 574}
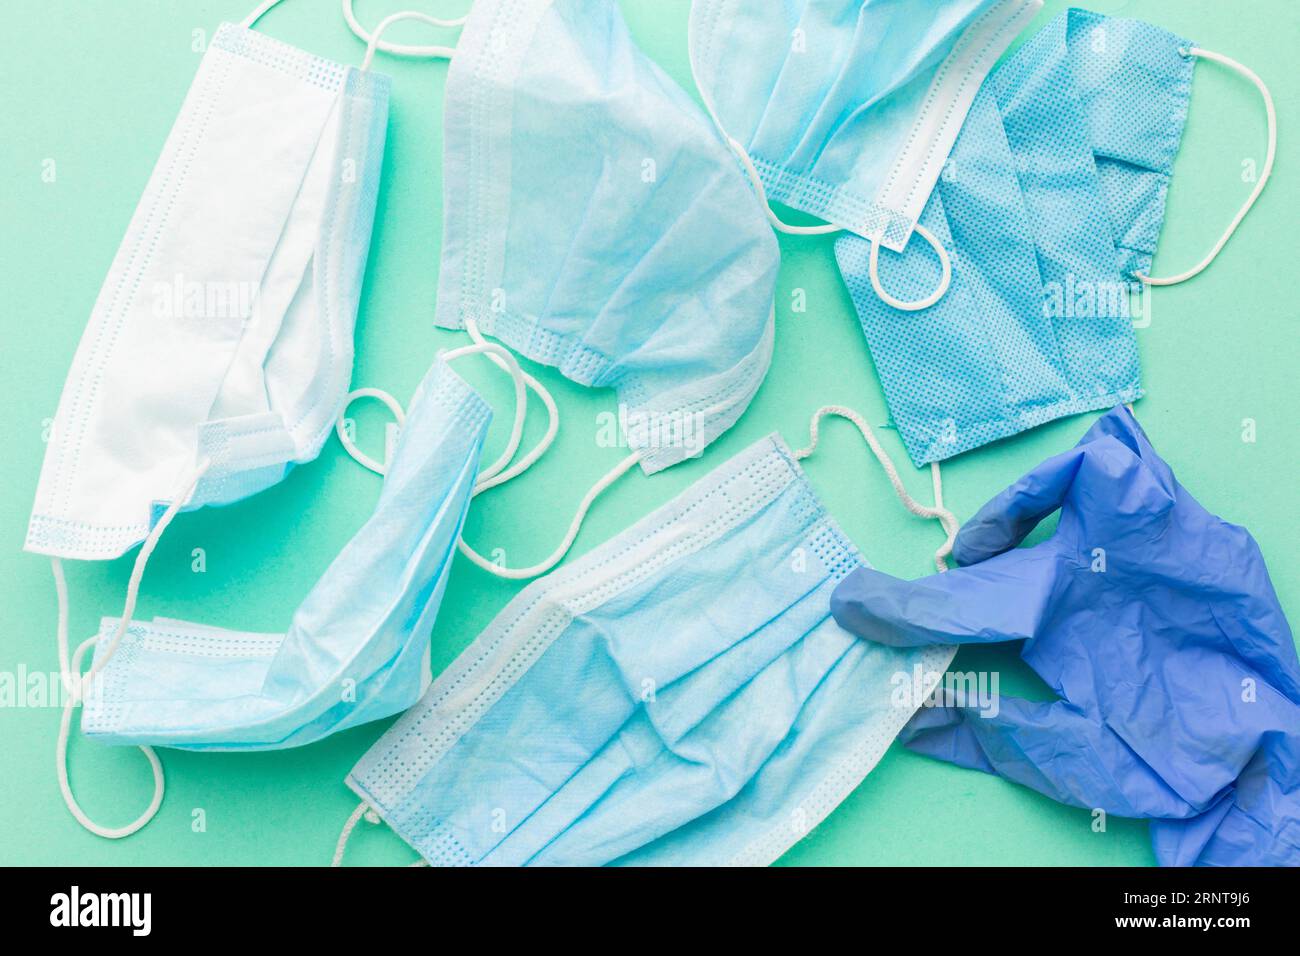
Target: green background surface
{"x": 96, "y": 86}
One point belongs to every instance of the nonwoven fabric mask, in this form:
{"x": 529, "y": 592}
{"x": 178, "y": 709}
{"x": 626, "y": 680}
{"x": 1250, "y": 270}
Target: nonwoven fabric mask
{"x": 594, "y": 222}
{"x": 1050, "y": 214}
{"x": 219, "y": 350}
{"x": 577, "y": 730}
{"x": 847, "y": 109}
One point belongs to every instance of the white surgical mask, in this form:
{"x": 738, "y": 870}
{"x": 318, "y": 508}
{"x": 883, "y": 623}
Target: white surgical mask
{"x": 224, "y": 328}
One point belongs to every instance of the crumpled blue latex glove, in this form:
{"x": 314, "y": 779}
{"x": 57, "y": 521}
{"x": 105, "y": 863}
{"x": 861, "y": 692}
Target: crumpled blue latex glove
{"x": 1156, "y": 624}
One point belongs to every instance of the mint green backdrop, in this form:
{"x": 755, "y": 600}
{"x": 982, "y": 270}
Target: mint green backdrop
{"x": 94, "y": 87}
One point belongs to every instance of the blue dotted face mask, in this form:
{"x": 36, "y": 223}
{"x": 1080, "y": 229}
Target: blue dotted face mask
{"x": 1048, "y": 217}
{"x": 577, "y": 729}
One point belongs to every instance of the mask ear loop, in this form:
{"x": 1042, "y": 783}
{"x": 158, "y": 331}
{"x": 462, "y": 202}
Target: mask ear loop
{"x": 487, "y": 475}
{"x": 373, "y": 43}
{"x": 493, "y": 475}
{"x": 916, "y": 305}
{"x": 363, "y": 811}
{"x": 256, "y": 15}
{"x": 945, "y": 517}
{"x": 1263, "y": 177}
{"x": 556, "y": 556}
{"x": 594, "y": 492}
{"x": 490, "y": 479}
{"x": 346, "y": 440}
{"x": 76, "y": 686}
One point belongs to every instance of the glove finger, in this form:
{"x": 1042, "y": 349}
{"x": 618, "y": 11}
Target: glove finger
{"x": 1015, "y": 511}
{"x": 1002, "y": 599}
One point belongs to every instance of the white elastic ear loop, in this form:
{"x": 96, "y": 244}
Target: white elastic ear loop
{"x": 362, "y": 811}
{"x": 556, "y": 556}
{"x": 350, "y": 446}
{"x": 1263, "y": 176}
{"x": 945, "y": 517}
{"x": 504, "y": 359}
{"x": 257, "y": 14}
{"x": 779, "y": 224}
{"x": 61, "y": 764}
{"x": 373, "y": 43}
{"x": 76, "y": 686}
{"x": 486, "y": 480}
{"x": 873, "y": 269}
{"x": 517, "y": 574}
{"x": 137, "y": 572}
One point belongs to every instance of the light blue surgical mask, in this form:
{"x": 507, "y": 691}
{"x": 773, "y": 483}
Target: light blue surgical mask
{"x": 357, "y": 646}
{"x": 356, "y": 649}
{"x": 1050, "y": 212}
{"x": 846, "y": 109}
{"x": 577, "y": 729}
{"x": 593, "y": 222}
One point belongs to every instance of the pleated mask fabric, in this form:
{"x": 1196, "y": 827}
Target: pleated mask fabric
{"x": 594, "y": 222}
{"x": 848, "y": 108}
{"x": 679, "y": 695}
{"x": 221, "y": 339}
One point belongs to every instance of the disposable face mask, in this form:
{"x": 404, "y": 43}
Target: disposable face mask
{"x": 357, "y": 646}
{"x": 578, "y": 730}
{"x": 221, "y": 340}
{"x": 594, "y": 223}
{"x": 1051, "y": 213}
{"x": 846, "y": 109}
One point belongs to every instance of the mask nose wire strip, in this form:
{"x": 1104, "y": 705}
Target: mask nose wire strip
{"x": 1263, "y": 176}
{"x": 945, "y": 517}
{"x": 77, "y": 687}
{"x": 373, "y": 43}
